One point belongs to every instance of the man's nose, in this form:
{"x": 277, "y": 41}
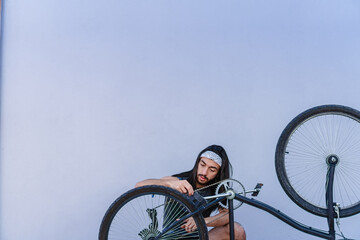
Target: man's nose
{"x": 203, "y": 171}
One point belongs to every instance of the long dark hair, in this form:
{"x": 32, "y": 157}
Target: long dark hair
{"x": 224, "y": 172}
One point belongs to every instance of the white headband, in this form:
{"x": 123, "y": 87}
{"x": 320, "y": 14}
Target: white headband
{"x": 213, "y": 156}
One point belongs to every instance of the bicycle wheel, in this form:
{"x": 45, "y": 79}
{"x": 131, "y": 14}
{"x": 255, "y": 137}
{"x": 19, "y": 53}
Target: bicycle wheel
{"x": 301, "y": 158}
{"x": 142, "y": 213}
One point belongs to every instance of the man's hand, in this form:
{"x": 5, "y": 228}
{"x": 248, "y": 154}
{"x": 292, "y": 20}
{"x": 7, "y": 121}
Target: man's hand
{"x": 182, "y": 186}
{"x": 189, "y": 225}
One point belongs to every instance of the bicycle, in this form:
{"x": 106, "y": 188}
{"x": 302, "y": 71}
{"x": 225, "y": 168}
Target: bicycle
{"x": 318, "y": 152}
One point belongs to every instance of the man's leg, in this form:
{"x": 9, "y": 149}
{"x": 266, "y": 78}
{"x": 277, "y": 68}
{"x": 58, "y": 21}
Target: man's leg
{"x": 223, "y": 232}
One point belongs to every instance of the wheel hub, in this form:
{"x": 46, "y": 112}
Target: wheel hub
{"x": 147, "y": 234}
{"x": 332, "y": 159}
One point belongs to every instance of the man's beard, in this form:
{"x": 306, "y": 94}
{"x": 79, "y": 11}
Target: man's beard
{"x": 200, "y": 175}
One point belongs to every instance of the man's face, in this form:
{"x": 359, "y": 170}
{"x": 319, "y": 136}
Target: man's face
{"x": 207, "y": 171}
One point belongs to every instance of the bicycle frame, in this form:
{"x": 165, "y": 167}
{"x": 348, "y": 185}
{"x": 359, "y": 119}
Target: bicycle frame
{"x": 231, "y": 195}
{"x": 283, "y": 217}
{"x": 330, "y": 235}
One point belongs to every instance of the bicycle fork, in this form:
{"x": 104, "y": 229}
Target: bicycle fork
{"x": 231, "y": 219}
{"x": 332, "y": 161}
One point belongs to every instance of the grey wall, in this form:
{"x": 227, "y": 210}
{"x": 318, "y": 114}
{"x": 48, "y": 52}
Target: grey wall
{"x": 99, "y": 95}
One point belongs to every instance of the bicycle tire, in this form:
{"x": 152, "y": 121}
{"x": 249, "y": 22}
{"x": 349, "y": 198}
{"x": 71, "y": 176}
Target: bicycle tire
{"x": 129, "y": 216}
{"x": 301, "y": 153}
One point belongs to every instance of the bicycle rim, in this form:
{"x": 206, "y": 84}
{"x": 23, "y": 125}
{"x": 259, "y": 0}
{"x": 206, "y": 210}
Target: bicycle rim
{"x": 145, "y": 212}
{"x": 302, "y": 151}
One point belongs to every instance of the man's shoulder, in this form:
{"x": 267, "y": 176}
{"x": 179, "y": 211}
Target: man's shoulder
{"x": 182, "y": 178}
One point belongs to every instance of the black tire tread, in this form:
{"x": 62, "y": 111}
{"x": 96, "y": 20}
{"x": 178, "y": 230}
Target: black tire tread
{"x": 281, "y": 146}
{"x": 123, "y": 199}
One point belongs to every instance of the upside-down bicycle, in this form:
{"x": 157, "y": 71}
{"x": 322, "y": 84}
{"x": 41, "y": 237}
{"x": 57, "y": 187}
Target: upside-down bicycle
{"x": 317, "y": 162}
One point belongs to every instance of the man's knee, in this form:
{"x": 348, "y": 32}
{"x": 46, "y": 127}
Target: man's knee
{"x": 239, "y": 232}
{"x": 223, "y": 232}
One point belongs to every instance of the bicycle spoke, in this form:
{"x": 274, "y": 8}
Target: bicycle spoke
{"x": 141, "y": 214}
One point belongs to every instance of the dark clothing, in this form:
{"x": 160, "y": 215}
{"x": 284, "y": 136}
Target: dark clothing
{"x": 175, "y": 210}
{"x": 204, "y": 193}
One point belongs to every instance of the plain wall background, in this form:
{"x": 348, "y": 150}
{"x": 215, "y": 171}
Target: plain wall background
{"x": 96, "y": 96}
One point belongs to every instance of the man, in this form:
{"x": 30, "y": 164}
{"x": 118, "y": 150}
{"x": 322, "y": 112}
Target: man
{"x": 212, "y": 165}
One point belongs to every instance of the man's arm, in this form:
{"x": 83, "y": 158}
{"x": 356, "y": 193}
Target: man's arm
{"x": 220, "y": 219}
{"x": 162, "y": 182}
{"x": 182, "y": 186}
{"x": 217, "y": 220}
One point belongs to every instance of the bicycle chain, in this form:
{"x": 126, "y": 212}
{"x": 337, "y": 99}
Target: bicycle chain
{"x": 196, "y": 190}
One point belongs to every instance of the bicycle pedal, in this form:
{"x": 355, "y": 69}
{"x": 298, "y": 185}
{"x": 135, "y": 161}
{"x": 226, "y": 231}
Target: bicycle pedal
{"x": 257, "y": 189}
